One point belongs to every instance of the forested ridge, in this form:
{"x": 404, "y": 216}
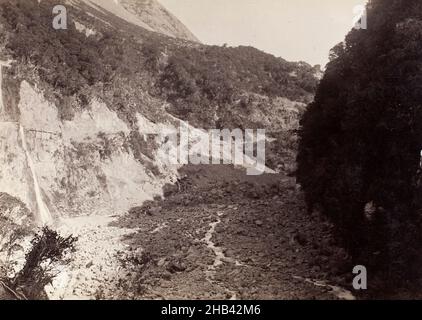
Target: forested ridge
{"x": 193, "y": 78}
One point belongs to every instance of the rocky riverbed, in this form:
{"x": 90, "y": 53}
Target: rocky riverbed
{"x": 220, "y": 234}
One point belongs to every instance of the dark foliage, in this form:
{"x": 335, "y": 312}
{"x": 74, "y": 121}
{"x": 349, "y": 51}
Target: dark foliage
{"x": 48, "y": 249}
{"x": 197, "y": 78}
{"x": 361, "y": 140}
{"x": 193, "y": 78}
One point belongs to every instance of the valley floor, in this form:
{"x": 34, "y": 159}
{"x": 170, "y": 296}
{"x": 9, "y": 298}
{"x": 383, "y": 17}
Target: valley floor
{"x": 218, "y": 234}
{"x": 223, "y": 235}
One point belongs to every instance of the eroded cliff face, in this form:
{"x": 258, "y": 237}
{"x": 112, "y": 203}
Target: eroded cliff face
{"x": 84, "y": 166}
{"x": 89, "y": 165}
{"x": 75, "y": 176}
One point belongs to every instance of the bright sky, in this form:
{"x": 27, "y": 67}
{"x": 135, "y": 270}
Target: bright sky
{"x": 293, "y": 29}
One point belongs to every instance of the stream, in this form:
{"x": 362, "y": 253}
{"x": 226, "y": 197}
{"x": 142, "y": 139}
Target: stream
{"x": 43, "y": 212}
{"x": 219, "y": 255}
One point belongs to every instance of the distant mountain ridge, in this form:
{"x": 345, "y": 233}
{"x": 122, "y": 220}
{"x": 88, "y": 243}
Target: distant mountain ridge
{"x": 148, "y": 14}
{"x": 159, "y": 18}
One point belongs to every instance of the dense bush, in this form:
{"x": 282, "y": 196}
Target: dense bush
{"x": 361, "y": 140}
{"x": 196, "y": 79}
{"x": 193, "y": 78}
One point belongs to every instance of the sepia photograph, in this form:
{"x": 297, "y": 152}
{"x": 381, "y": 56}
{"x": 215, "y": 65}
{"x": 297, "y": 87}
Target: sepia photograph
{"x": 210, "y": 150}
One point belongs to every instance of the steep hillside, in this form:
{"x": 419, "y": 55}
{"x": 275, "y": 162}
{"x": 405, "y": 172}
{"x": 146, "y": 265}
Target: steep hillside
{"x": 148, "y": 14}
{"x": 81, "y": 108}
{"x": 158, "y": 18}
{"x": 211, "y": 87}
{"x": 114, "y": 7}
{"x": 360, "y": 152}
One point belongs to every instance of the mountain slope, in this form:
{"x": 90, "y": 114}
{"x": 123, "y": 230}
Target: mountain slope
{"x": 114, "y": 7}
{"x": 158, "y": 18}
{"x": 80, "y": 108}
{"x": 148, "y": 14}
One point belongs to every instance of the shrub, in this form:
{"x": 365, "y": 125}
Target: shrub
{"x": 48, "y": 249}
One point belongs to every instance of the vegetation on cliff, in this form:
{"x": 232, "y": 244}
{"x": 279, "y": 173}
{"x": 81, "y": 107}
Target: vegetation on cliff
{"x": 195, "y": 79}
{"x": 359, "y": 158}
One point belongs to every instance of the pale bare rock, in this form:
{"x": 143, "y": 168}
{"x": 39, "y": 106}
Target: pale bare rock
{"x": 148, "y": 14}
{"x": 158, "y": 18}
